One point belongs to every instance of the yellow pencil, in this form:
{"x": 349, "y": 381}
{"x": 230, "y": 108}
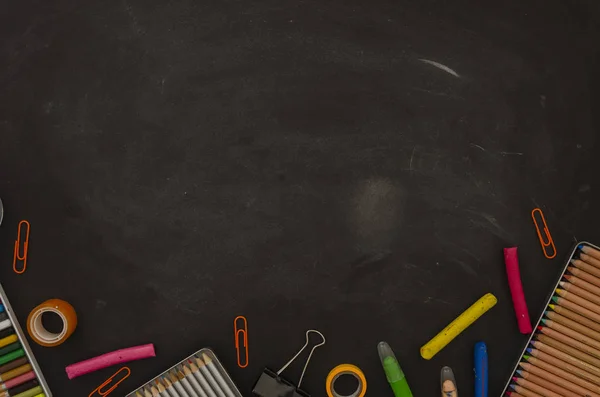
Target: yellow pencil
{"x": 457, "y": 326}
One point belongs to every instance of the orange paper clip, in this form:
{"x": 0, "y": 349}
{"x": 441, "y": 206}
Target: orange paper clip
{"x": 99, "y": 390}
{"x": 18, "y": 256}
{"x": 545, "y": 238}
{"x": 244, "y": 331}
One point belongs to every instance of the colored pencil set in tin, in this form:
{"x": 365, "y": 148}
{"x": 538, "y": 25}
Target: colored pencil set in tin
{"x": 562, "y": 357}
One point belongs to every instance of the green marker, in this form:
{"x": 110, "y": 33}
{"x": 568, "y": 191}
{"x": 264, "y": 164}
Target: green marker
{"x": 393, "y": 372}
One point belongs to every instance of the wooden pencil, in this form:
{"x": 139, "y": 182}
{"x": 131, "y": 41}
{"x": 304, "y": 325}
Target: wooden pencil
{"x": 170, "y": 388}
{"x": 569, "y": 341}
{"x": 572, "y": 333}
{"x": 208, "y": 376}
{"x": 576, "y": 308}
{"x": 572, "y": 324}
{"x": 178, "y": 386}
{"x": 582, "y": 284}
{"x": 590, "y": 260}
{"x": 570, "y": 382}
{"x": 523, "y": 391}
{"x": 194, "y": 381}
{"x": 535, "y": 387}
{"x": 186, "y": 384}
{"x": 580, "y": 292}
{"x": 513, "y": 394}
{"x": 13, "y": 373}
{"x": 154, "y": 391}
{"x": 581, "y": 265}
{"x": 575, "y": 317}
{"x": 591, "y": 251}
{"x": 564, "y": 370}
{"x": 213, "y": 369}
{"x": 569, "y": 350}
{"x": 161, "y": 389}
{"x": 584, "y": 276}
{"x": 202, "y": 380}
{"x": 578, "y": 300}
{"x": 147, "y": 393}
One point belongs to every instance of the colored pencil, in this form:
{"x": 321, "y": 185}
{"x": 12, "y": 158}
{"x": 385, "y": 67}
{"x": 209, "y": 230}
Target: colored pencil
{"x": 170, "y": 388}
{"x": 558, "y": 367}
{"x": 24, "y": 387}
{"x": 161, "y": 389}
{"x": 19, "y": 380}
{"x": 208, "y": 376}
{"x": 215, "y": 372}
{"x": 12, "y": 356}
{"x": 590, "y": 251}
{"x": 3, "y": 316}
{"x": 584, "y": 276}
{"x": 5, "y": 324}
{"x": 2, "y": 308}
{"x": 542, "y": 386}
{"x": 186, "y": 384}
{"x": 570, "y": 341}
{"x": 12, "y": 365}
{"x": 575, "y": 317}
{"x": 580, "y": 292}
{"x": 576, "y": 308}
{"x": 147, "y": 393}
{"x": 193, "y": 380}
{"x": 7, "y": 332}
{"x": 569, "y": 350}
{"x": 10, "y": 348}
{"x": 524, "y": 392}
{"x": 590, "y": 260}
{"x": 177, "y": 385}
{"x": 582, "y": 284}
{"x": 571, "y": 382}
{"x": 578, "y": 300}
{"x": 572, "y": 333}
{"x": 30, "y": 393}
{"x": 8, "y": 340}
{"x": 513, "y": 394}
{"x": 13, "y": 373}
{"x": 572, "y": 324}
{"x": 581, "y": 265}
{"x": 154, "y": 391}
{"x": 202, "y": 380}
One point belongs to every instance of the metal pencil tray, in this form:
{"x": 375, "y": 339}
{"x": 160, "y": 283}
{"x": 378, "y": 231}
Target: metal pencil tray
{"x": 24, "y": 343}
{"x": 205, "y": 350}
{"x": 556, "y": 285}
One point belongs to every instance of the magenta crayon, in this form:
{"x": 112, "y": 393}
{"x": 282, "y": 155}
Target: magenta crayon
{"x": 516, "y": 290}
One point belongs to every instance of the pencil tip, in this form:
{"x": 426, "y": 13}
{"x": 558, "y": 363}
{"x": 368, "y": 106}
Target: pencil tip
{"x": 540, "y": 328}
{"x": 551, "y": 306}
{"x": 513, "y": 387}
{"x": 572, "y": 261}
{"x": 580, "y": 246}
{"x": 515, "y": 378}
{"x": 567, "y": 276}
{"x": 508, "y": 393}
{"x": 559, "y": 291}
{"x": 555, "y": 299}
{"x": 526, "y": 356}
{"x": 543, "y": 321}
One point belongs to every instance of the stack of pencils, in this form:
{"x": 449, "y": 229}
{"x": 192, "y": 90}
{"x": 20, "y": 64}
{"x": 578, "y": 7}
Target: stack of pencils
{"x": 17, "y": 377}
{"x": 198, "y": 376}
{"x": 563, "y": 358}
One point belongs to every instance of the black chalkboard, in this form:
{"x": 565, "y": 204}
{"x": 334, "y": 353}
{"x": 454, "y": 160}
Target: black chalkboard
{"x": 354, "y": 167}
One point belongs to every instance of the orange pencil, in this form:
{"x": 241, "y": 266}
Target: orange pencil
{"x": 593, "y": 270}
{"x": 578, "y": 300}
{"x": 584, "y": 276}
{"x": 537, "y": 388}
{"x": 590, "y": 260}
{"x": 576, "y": 308}
{"x": 570, "y": 382}
{"x": 544, "y": 351}
{"x": 575, "y": 317}
{"x": 582, "y": 284}
{"x": 574, "y": 325}
{"x": 520, "y": 390}
{"x": 591, "y": 251}
{"x": 580, "y": 292}
{"x": 564, "y": 370}
{"x": 572, "y": 333}
{"x": 569, "y": 341}
{"x": 569, "y": 350}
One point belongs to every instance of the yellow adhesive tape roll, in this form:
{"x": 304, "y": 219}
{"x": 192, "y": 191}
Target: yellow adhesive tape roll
{"x": 41, "y": 335}
{"x": 346, "y": 369}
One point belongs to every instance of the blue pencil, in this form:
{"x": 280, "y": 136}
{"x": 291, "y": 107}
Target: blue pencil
{"x": 481, "y": 370}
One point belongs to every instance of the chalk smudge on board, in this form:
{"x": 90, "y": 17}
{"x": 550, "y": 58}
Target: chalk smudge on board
{"x": 478, "y": 147}
{"x": 440, "y": 66}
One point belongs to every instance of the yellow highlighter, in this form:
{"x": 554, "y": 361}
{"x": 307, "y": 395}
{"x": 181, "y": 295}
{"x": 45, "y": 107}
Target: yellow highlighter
{"x": 457, "y": 326}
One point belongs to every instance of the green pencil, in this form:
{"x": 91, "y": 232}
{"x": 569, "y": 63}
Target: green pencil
{"x": 393, "y": 372}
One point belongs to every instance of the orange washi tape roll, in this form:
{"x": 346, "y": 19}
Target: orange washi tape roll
{"x": 40, "y": 334}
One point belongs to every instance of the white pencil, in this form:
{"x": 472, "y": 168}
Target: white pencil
{"x": 169, "y": 387}
{"x": 186, "y": 384}
{"x": 215, "y": 371}
{"x": 5, "y": 324}
{"x": 189, "y": 375}
{"x": 200, "y": 378}
{"x": 209, "y": 377}
{"x": 178, "y": 386}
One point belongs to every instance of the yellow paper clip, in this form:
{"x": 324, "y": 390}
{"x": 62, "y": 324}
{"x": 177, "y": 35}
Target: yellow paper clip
{"x": 17, "y": 255}
{"x": 244, "y": 336}
{"x": 545, "y": 239}
{"x": 99, "y": 390}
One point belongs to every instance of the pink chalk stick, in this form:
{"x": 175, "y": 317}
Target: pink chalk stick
{"x": 516, "y": 290}
{"x": 109, "y": 359}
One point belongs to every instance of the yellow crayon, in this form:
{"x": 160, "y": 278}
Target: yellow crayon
{"x": 468, "y": 317}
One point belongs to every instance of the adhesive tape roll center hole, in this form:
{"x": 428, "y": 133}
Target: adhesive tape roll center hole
{"x": 41, "y": 332}
{"x": 346, "y": 374}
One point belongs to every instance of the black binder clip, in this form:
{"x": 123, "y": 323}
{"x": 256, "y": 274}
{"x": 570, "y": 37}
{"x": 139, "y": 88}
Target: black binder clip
{"x": 272, "y": 384}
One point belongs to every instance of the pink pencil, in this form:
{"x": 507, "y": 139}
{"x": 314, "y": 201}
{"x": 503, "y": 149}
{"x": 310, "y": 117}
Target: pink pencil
{"x": 516, "y": 290}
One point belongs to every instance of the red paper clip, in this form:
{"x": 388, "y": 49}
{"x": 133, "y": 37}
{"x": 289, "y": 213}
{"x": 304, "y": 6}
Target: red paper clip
{"x": 17, "y": 256}
{"x": 108, "y": 381}
{"x": 244, "y": 331}
{"x": 546, "y": 239}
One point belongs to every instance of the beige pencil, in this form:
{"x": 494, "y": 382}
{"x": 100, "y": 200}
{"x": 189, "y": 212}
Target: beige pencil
{"x": 206, "y": 373}
{"x": 570, "y": 341}
{"x": 591, "y": 251}
{"x": 576, "y": 308}
{"x": 570, "y": 296}
{"x": 581, "y": 265}
{"x": 515, "y": 394}
{"x": 543, "y": 389}
{"x": 523, "y": 391}
{"x": 545, "y": 352}
{"x": 571, "y": 382}
{"x": 580, "y": 292}
{"x": 147, "y": 393}
{"x": 569, "y": 350}
{"x": 178, "y": 386}
{"x": 200, "y": 378}
{"x": 215, "y": 372}
{"x": 582, "y": 284}
{"x": 590, "y": 260}
{"x": 574, "y": 325}
{"x": 572, "y": 333}
{"x": 548, "y": 384}
{"x": 564, "y": 370}
{"x": 186, "y": 384}
{"x": 584, "y": 275}
{"x": 575, "y": 317}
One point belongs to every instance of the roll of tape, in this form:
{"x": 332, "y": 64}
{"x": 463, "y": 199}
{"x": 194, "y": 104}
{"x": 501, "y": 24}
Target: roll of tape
{"x": 346, "y": 369}
{"x": 41, "y": 335}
